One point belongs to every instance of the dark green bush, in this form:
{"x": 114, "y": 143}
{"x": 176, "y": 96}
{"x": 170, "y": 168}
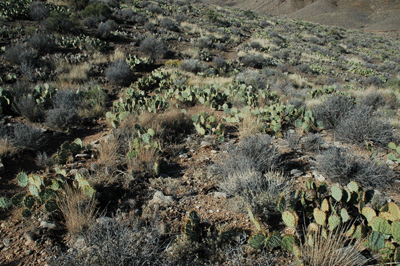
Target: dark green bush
{"x": 62, "y": 22}
{"x": 97, "y": 9}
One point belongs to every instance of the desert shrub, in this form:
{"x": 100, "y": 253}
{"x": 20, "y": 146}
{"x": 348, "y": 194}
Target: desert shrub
{"x": 27, "y": 107}
{"x": 332, "y": 110}
{"x": 372, "y": 81}
{"x": 219, "y": 62}
{"x": 313, "y": 142}
{"x": 93, "y": 102}
{"x": 169, "y": 24}
{"x": 79, "y": 4}
{"x": 141, "y": 18}
{"x": 180, "y": 17}
{"x": 375, "y": 175}
{"x": 60, "y": 118}
{"x": 97, "y": 9}
{"x": 91, "y": 22}
{"x": 337, "y": 165}
{"x": 253, "y": 78}
{"x": 64, "y": 111}
{"x": 38, "y": 11}
{"x": 28, "y": 137}
{"x": 293, "y": 139}
{"x": 374, "y": 99}
{"x": 205, "y": 42}
{"x": 219, "y": 46}
{"x": 120, "y": 244}
{"x": 304, "y": 68}
{"x": 62, "y": 22}
{"x": 105, "y": 29}
{"x": 149, "y": 26}
{"x": 153, "y": 48}
{"x": 359, "y": 126}
{"x": 119, "y": 72}
{"x": 155, "y": 9}
{"x": 18, "y": 54}
{"x": 255, "y": 61}
{"x": 127, "y": 14}
{"x": 194, "y": 65}
{"x": 41, "y": 41}
{"x": 253, "y": 154}
{"x": 43, "y": 160}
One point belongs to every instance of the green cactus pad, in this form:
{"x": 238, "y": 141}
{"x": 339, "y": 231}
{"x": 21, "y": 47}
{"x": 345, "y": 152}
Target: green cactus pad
{"x": 349, "y": 233}
{"x": 387, "y": 216}
{"x": 257, "y": 240}
{"x": 310, "y": 184}
{"x": 23, "y": 179}
{"x": 336, "y": 193}
{"x": 29, "y": 201}
{"x": 392, "y": 145}
{"x": 46, "y": 194}
{"x": 297, "y": 251}
{"x": 353, "y": 186}
{"x": 253, "y": 219}
{"x": 346, "y": 197}
{"x": 17, "y": 199}
{"x": 369, "y": 213}
{"x": 89, "y": 191}
{"x": 376, "y": 241}
{"x": 5, "y": 203}
{"x": 51, "y": 205}
{"x": 288, "y": 242}
{"x": 55, "y": 185}
{"x": 34, "y": 190}
{"x": 311, "y": 195}
{"x": 325, "y": 205}
{"x": 313, "y": 227}
{"x": 345, "y": 215}
{"x": 396, "y": 231}
{"x": 290, "y": 218}
{"x": 35, "y": 180}
{"x": 333, "y": 221}
{"x": 282, "y": 204}
{"x": 394, "y": 210}
{"x": 319, "y": 216}
{"x": 26, "y": 213}
{"x": 396, "y": 257}
{"x": 273, "y": 240}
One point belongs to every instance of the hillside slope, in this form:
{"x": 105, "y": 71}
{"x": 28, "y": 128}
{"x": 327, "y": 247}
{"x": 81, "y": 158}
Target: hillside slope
{"x": 377, "y": 15}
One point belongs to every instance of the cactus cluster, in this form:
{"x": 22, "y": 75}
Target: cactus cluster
{"x": 331, "y": 209}
{"x": 67, "y": 150}
{"x": 208, "y": 124}
{"x": 42, "y": 191}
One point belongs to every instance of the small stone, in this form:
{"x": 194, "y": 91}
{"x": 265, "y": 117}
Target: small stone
{"x": 162, "y": 200}
{"x": 220, "y": 195}
{"x": 204, "y": 144}
{"x": 211, "y": 211}
{"x": 2, "y": 169}
{"x": 319, "y": 177}
{"x": 50, "y": 225}
{"x": 82, "y": 155}
{"x": 29, "y": 235}
{"x": 389, "y": 162}
{"x": 6, "y": 242}
{"x": 214, "y": 151}
{"x": 183, "y": 155}
{"x": 296, "y": 172}
{"x": 79, "y": 243}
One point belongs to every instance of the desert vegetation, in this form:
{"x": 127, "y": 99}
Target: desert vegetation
{"x": 181, "y": 133}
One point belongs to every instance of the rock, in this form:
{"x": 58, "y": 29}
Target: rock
{"x": 319, "y": 177}
{"x": 50, "y": 225}
{"x": 104, "y": 220}
{"x": 296, "y": 172}
{"x": 6, "y": 242}
{"x": 214, "y": 151}
{"x": 183, "y": 155}
{"x": 162, "y": 200}
{"x": 220, "y": 195}
{"x": 79, "y": 243}
{"x": 29, "y": 235}
{"x": 204, "y": 144}
{"x": 82, "y": 155}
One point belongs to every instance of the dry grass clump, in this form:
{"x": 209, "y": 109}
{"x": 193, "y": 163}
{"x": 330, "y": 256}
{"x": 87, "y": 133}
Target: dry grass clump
{"x": 79, "y": 210}
{"x": 6, "y": 147}
{"x": 333, "y": 250}
{"x": 249, "y": 125}
{"x": 70, "y": 73}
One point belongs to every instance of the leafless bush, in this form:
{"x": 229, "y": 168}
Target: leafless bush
{"x": 28, "y": 108}
{"x": 41, "y": 41}
{"x": 28, "y": 137}
{"x": 332, "y": 110}
{"x": 253, "y": 78}
{"x": 119, "y": 72}
{"x": 194, "y": 65}
{"x": 19, "y": 54}
{"x": 359, "y": 126}
{"x": 117, "y": 243}
{"x": 313, "y": 142}
{"x": 38, "y": 11}
{"x": 105, "y": 28}
{"x": 153, "y": 48}
{"x": 169, "y": 24}
{"x": 375, "y": 175}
